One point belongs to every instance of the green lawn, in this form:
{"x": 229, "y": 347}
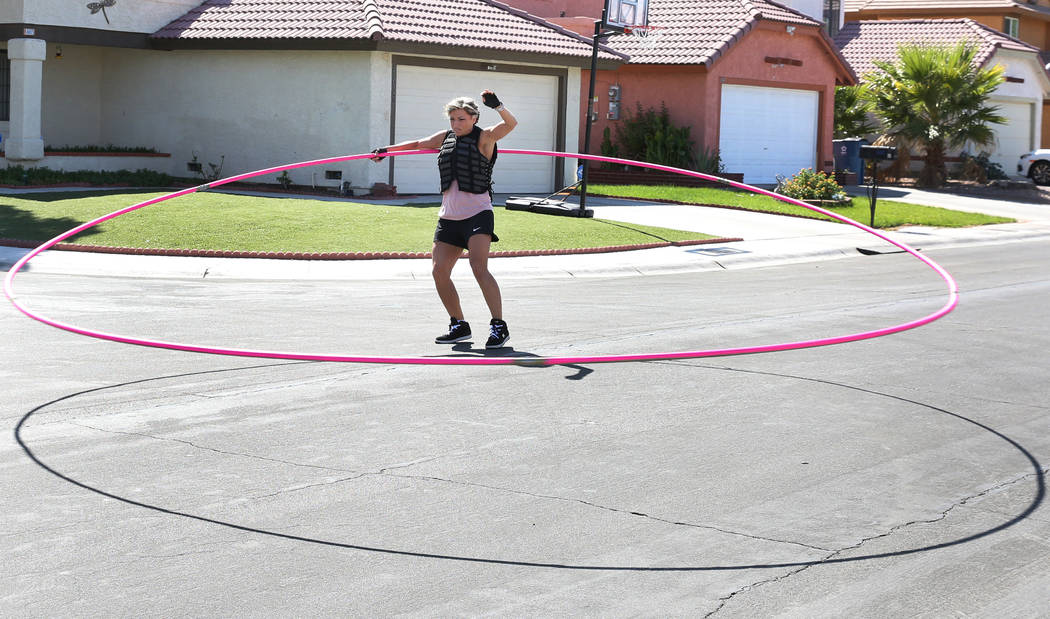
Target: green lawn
{"x": 244, "y": 223}
{"x": 888, "y": 214}
{"x": 213, "y": 220}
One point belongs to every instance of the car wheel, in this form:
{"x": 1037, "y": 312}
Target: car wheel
{"x": 1040, "y": 173}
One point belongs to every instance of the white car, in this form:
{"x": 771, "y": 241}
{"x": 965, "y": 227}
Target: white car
{"x": 1036, "y": 166}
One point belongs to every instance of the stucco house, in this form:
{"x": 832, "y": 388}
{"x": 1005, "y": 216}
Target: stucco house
{"x": 1019, "y": 98}
{"x": 1024, "y": 20}
{"x": 266, "y": 82}
{"x": 754, "y": 79}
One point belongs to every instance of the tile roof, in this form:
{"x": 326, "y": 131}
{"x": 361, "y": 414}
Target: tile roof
{"x": 852, "y": 6}
{"x": 862, "y": 42}
{"x": 864, "y": 5}
{"x": 700, "y": 32}
{"x": 484, "y": 24}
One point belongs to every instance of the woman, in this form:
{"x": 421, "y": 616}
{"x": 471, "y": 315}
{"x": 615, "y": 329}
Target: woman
{"x": 465, "y": 221}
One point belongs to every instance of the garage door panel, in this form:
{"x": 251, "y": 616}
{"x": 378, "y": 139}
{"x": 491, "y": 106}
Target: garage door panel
{"x": 764, "y": 132}
{"x": 419, "y": 111}
{"x": 1014, "y": 138}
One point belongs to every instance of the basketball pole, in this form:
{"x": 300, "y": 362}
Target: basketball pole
{"x": 599, "y": 32}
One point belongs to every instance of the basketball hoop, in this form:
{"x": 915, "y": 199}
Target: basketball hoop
{"x": 645, "y": 36}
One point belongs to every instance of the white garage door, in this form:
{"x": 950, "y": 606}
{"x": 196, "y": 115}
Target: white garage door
{"x": 767, "y": 131}
{"x": 1014, "y": 138}
{"x": 419, "y": 111}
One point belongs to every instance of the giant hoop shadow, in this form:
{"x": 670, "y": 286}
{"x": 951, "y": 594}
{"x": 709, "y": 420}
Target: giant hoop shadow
{"x": 831, "y": 559}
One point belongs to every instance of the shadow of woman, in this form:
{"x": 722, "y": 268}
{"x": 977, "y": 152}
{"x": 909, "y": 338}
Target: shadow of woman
{"x": 464, "y": 349}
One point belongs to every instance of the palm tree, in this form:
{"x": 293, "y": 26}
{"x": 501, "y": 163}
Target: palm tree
{"x": 851, "y": 113}
{"x": 937, "y": 98}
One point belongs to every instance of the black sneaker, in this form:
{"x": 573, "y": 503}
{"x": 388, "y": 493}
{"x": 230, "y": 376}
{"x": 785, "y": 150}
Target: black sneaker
{"x": 499, "y": 334}
{"x": 458, "y": 330}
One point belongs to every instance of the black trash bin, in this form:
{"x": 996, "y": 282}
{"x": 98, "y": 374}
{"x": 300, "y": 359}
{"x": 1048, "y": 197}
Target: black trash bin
{"x": 847, "y": 156}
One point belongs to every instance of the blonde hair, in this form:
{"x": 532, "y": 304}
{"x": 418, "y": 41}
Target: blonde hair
{"x": 462, "y": 103}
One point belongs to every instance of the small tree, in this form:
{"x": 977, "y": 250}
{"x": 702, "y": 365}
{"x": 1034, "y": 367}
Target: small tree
{"x": 937, "y": 98}
{"x": 852, "y": 111}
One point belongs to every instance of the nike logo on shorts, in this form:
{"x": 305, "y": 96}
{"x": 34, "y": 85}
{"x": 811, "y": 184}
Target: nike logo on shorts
{"x": 476, "y": 229}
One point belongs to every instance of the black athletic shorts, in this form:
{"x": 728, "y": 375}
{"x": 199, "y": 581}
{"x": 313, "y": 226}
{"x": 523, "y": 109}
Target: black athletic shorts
{"x": 458, "y": 231}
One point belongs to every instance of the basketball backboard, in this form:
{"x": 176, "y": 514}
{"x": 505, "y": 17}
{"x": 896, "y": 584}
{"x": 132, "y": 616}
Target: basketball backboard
{"x": 624, "y": 13}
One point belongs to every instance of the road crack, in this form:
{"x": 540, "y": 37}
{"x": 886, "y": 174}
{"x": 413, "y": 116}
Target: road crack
{"x": 211, "y": 449}
{"x": 616, "y": 510}
{"x": 724, "y": 600}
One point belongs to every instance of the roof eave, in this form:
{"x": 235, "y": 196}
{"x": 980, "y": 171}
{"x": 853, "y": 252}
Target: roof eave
{"x": 845, "y": 76}
{"x": 262, "y": 43}
{"x": 925, "y": 11}
{"x": 723, "y": 46}
{"x": 606, "y": 61}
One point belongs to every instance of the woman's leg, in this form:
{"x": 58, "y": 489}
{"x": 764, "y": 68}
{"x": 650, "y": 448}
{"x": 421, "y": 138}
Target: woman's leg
{"x": 478, "y": 245}
{"x": 444, "y": 258}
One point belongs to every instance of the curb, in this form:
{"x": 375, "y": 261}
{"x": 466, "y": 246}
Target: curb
{"x": 282, "y": 255}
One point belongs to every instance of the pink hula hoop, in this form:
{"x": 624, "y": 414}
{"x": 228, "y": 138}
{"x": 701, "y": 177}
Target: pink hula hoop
{"x": 953, "y": 294}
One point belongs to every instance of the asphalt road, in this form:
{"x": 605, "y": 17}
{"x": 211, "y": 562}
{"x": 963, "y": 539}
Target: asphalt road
{"x": 902, "y": 476}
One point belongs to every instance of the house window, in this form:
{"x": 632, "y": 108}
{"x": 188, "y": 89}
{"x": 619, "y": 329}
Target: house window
{"x": 832, "y": 9}
{"x": 5, "y": 86}
{"x": 1011, "y": 26}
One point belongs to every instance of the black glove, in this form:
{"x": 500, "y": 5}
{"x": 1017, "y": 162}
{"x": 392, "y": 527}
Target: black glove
{"x": 491, "y": 100}
{"x": 378, "y": 154}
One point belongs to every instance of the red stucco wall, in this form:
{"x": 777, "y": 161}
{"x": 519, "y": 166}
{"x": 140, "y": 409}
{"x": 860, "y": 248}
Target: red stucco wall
{"x": 692, "y": 92}
{"x": 681, "y": 87}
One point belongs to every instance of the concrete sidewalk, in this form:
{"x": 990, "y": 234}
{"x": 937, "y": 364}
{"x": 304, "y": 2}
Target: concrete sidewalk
{"x": 767, "y": 240}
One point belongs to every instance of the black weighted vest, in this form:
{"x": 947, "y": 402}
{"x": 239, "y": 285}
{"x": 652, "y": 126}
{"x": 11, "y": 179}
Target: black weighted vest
{"x": 461, "y": 159}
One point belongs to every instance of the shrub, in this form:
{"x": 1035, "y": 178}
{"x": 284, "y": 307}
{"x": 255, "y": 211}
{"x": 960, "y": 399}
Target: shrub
{"x": 648, "y": 135}
{"x": 981, "y": 169}
{"x": 810, "y": 185}
{"x": 91, "y": 148}
{"x": 609, "y": 150}
{"x": 17, "y": 175}
{"x": 709, "y": 161}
